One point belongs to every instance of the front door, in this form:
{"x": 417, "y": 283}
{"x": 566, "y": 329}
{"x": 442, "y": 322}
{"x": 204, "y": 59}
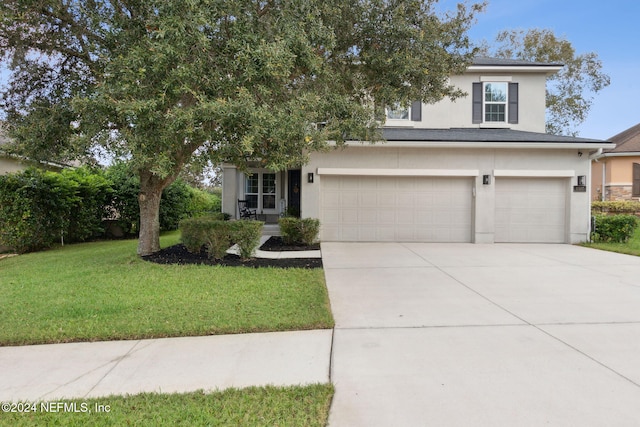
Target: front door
{"x": 294, "y": 189}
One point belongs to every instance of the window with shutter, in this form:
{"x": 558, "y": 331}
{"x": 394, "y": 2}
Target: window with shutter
{"x": 635, "y": 191}
{"x": 495, "y": 102}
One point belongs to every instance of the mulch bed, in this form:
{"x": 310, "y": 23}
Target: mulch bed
{"x": 178, "y": 254}
{"x": 275, "y": 243}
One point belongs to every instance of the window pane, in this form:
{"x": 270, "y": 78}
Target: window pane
{"x": 252, "y": 201}
{"x": 495, "y": 92}
{"x": 251, "y": 184}
{"x": 494, "y": 113}
{"x": 269, "y": 202}
{"x": 269, "y": 183}
{"x": 397, "y": 113}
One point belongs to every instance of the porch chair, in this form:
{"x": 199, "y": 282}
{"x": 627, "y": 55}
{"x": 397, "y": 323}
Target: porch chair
{"x": 245, "y": 212}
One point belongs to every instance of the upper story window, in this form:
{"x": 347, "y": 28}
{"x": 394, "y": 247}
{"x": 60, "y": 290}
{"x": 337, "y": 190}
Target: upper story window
{"x": 396, "y": 112}
{"x": 495, "y": 102}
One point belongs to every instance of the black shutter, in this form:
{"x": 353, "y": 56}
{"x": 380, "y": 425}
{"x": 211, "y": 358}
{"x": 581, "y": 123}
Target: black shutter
{"x": 477, "y": 103}
{"x": 416, "y": 111}
{"x": 635, "y": 191}
{"x": 513, "y": 103}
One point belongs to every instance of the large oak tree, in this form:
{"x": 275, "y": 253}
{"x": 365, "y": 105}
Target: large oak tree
{"x": 162, "y": 83}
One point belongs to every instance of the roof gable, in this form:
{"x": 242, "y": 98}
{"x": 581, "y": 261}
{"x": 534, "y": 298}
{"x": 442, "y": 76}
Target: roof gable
{"x": 627, "y": 141}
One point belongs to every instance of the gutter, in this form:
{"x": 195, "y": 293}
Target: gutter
{"x": 479, "y": 144}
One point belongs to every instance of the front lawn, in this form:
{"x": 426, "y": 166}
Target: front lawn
{"x": 265, "y": 406}
{"x": 632, "y": 247}
{"x": 103, "y": 291}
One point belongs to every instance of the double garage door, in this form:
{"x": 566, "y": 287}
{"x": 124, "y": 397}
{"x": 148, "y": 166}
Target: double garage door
{"x": 439, "y": 209}
{"x": 402, "y": 209}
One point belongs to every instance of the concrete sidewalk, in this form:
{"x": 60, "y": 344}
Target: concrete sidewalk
{"x": 82, "y": 370}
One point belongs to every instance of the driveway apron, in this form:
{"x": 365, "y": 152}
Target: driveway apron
{"x": 463, "y": 334}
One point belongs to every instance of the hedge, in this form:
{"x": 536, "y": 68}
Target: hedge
{"x": 614, "y": 228}
{"x": 617, "y": 207}
{"x": 38, "y": 209}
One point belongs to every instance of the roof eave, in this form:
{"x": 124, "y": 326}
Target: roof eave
{"x": 484, "y": 144}
{"x": 547, "y": 69}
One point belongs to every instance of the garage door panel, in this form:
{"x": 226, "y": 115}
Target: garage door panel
{"x": 530, "y": 210}
{"x": 387, "y": 208}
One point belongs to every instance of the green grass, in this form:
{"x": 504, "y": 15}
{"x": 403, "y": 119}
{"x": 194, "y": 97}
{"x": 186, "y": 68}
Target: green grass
{"x": 632, "y": 247}
{"x": 266, "y": 406}
{"x": 103, "y": 291}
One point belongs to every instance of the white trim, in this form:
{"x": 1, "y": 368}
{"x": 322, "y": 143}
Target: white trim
{"x": 398, "y": 172}
{"x": 619, "y": 184}
{"x": 534, "y": 173}
{"x": 631, "y": 154}
{"x": 550, "y": 69}
{"x": 471, "y": 144}
{"x": 496, "y": 78}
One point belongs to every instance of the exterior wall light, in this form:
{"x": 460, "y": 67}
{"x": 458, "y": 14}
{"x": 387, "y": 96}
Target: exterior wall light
{"x": 582, "y": 180}
{"x": 486, "y": 179}
{"x": 310, "y": 177}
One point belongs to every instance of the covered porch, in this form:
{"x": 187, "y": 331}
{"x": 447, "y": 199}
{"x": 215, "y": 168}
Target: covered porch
{"x": 270, "y": 194}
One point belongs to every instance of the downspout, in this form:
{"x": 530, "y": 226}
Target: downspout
{"x": 595, "y": 156}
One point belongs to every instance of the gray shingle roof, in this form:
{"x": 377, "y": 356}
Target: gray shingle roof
{"x": 627, "y": 141}
{"x": 478, "y": 135}
{"x": 487, "y": 61}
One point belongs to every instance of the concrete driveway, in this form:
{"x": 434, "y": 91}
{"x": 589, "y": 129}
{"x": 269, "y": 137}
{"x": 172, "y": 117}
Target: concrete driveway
{"x": 505, "y": 334}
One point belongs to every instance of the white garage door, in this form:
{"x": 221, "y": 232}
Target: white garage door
{"x": 402, "y": 209}
{"x": 531, "y": 210}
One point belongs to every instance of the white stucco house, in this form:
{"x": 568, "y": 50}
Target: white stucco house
{"x": 480, "y": 169}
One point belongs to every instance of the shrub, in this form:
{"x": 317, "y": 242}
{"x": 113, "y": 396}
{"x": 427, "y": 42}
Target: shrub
{"x": 212, "y": 233}
{"x": 177, "y": 201}
{"x": 92, "y": 193}
{"x": 618, "y": 206}
{"x": 174, "y": 205}
{"x": 246, "y": 234}
{"x": 202, "y": 203}
{"x": 299, "y": 231}
{"x": 613, "y": 228}
{"x": 35, "y": 209}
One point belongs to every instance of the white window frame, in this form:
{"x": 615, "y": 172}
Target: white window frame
{"x": 396, "y": 109}
{"x": 486, "y": 103}
{"x": 260, "y": 195}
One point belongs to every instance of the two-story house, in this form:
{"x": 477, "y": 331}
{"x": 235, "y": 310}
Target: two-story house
{"x": 479, "y": 169}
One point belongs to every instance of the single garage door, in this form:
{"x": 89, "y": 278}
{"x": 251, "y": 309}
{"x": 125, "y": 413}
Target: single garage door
{"x": 402, "y": 209}
{"x": 531, "y": 210}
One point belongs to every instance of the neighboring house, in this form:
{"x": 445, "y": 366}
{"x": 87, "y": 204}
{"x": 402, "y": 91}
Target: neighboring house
{"x": 616, "y": 172}
{"x": 10, "y": 163}
{"x": 480, "y": 169}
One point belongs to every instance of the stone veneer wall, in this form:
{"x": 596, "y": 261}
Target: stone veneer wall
{"x": 618, "y": 192}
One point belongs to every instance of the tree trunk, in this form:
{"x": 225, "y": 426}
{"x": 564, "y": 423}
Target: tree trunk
{"x": 151, "y": 188}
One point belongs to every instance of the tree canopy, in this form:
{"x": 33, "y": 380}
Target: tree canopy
{"x": 166, "y": 82}
{"x": 570, "y": 92}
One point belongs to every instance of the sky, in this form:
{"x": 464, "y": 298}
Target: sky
{"x": 611, "y": 29}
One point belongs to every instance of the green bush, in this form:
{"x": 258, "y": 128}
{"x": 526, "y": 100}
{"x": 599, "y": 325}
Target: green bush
{"x": 174, "y": 205}
{"x": 246, "y": 234}
{"x": 177, "y": 201}
{"x": 202, "y": 203}
{"x": 34, "y": 209}
{"x": 212, "y": 233}
{"x": 299, "y": 231}
{"x": 614, "y": 228}
{"x": 92, "y": 193}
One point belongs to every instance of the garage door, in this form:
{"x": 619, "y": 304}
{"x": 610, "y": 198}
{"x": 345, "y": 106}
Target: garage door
{"x": 531, "y": 210}
{"x": 402, "y": 209}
